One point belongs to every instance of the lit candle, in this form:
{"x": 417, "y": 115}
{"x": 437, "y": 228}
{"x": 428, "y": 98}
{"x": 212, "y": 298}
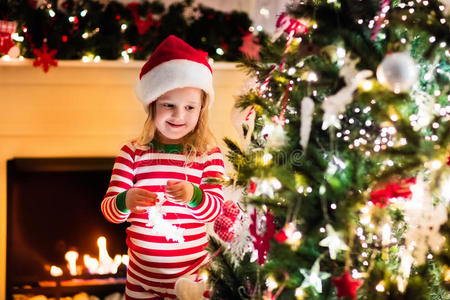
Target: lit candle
{"x": 56, "y": 271}
{"x": 91, "y": 264}
{"x": 105, "y": 261}
{"x": 71, "y": 257}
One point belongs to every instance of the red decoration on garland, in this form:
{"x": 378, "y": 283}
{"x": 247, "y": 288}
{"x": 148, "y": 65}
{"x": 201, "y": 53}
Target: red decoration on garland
{"x": 346, "y": 286}
{"x": 7, "y": 45}
{"x": 448, "y": 161}
{"x": 382, "y": 197}
{"x": 44, "y": 57}
{"x": 262, "y": 242}
{"x": 143, "y": 25}
{"x": 250, "y": 46}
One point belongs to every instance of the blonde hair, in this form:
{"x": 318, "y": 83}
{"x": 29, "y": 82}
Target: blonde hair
{"x": 197, "y": 142}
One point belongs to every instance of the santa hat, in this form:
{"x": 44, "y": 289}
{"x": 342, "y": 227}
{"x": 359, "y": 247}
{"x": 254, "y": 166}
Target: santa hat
{"x": 174, "y": 64}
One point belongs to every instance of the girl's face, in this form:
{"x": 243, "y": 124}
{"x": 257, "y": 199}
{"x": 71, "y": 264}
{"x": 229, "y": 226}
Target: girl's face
{"x": 177, "y": 113}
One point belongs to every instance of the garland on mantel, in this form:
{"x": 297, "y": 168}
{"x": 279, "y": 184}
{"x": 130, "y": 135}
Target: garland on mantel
{"x": 51, "y": 30}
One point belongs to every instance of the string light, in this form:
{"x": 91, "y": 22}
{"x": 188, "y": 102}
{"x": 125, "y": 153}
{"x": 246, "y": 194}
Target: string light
{"x": 366, "y": 85}
{"x": 220, "y": 51}
{"x": 312, "y": 77}
{"x": 264, "y": 12}
{"x": 380, "y": 287}
{"x": 299, "y": 294}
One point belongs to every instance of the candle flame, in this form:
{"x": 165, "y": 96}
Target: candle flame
{"x": 106, "y": 264}
{"x": 91, "y": 264}
{"x": 56, "y": 271}
{"x": 71, "y": 257}
{"x": 125, "y": 259}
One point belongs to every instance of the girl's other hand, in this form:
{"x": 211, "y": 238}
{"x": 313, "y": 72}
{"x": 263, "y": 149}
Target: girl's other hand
{"x": 137, "y": 199}
{"x": 179, "y": 191}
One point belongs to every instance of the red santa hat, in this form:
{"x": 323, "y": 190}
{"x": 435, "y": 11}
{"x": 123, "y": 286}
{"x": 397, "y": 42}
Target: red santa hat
{"x": 174, "y": 64}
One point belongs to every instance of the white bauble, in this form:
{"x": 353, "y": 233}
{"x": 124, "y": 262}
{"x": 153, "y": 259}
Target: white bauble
{"x": 398, "y": 72}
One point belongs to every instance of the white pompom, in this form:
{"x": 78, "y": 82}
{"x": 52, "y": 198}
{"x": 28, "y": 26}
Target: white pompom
{"x": 398, "y": 72}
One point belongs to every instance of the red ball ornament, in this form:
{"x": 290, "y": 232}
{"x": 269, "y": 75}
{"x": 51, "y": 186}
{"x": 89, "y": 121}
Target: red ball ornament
{"x": 231, "y": 210}
{"x": 281, "y": 236}
{"x": 346, "y": 286}
{"x": 223, "y": 227}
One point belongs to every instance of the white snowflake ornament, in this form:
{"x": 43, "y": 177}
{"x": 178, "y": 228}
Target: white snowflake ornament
{"x": 333, "y": 241}
{"x": 314, "y": 277}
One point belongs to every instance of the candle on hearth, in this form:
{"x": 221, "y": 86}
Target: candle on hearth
{"x": 91, "y": 264}
{"x": 56, "y": 271}
{"x": 125, "y": 259}
{"x": 71, "y": 257}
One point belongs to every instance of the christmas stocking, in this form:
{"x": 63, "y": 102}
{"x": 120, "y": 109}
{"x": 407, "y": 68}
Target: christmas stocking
{"x": 7, "y": 46}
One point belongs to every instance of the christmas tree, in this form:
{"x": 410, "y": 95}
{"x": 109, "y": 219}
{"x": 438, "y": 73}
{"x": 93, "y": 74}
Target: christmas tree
{"x": 342, "y": 173}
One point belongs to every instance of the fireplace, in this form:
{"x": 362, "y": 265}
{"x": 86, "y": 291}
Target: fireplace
{"x": 53, "y": 206}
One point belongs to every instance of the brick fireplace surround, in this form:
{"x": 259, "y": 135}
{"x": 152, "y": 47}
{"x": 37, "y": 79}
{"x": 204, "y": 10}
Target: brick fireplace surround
{"x": 81, "y": 110}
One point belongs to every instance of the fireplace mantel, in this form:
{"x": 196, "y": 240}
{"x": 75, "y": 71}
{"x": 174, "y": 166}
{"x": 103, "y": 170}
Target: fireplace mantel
{"x": 82, "y": 110}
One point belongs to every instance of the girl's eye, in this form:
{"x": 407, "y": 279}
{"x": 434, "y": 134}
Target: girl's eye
{"x": 189, "y": 107}
{"x": 168, "y": 105}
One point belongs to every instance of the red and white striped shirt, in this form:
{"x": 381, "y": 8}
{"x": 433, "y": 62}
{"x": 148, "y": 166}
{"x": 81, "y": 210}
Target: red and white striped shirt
{"x": 156, "y": 262}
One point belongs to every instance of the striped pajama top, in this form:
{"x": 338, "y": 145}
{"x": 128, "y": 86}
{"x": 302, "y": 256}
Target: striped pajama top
{"x": 156, "y": 262}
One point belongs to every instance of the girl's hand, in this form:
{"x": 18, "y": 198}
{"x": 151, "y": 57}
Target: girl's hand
{"x": 179, "y": 191}
{"x": 137, "y": 199}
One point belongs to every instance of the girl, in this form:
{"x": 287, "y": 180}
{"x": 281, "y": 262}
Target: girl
{"x": 159, "y": 181}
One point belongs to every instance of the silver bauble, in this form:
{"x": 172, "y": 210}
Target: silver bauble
{"x": 398, "y": 72}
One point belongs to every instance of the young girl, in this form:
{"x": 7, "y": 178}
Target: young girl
{"x": 159, "y": 182}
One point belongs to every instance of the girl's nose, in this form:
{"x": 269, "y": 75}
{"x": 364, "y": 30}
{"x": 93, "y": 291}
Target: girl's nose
{"x": 177, "y": 112}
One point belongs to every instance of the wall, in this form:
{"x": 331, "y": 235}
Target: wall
{"x": 81, "y": 110}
